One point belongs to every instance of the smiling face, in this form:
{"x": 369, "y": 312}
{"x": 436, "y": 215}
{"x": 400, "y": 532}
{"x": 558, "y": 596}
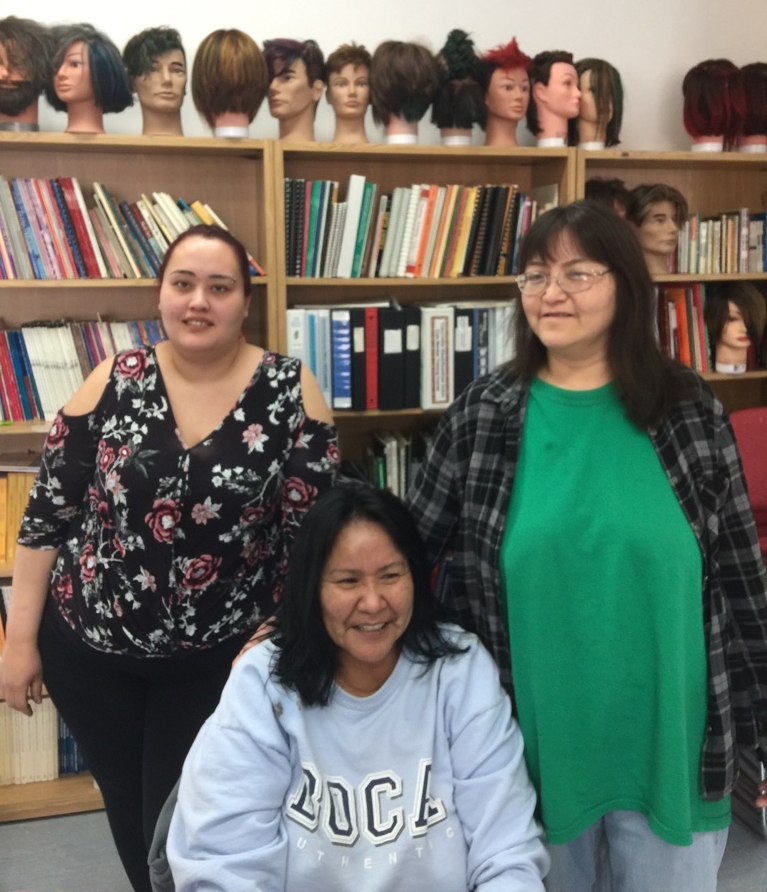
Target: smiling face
{"x": 571, "y": 326}
{"x": 72, "y": 81}
{"x": 508, "y": 94}
{"x": 366, "y": 599}
{"x": 202, "y": 301}
{"x": 290, "y": 93}
{"x": 162, "y": 89}
{"x": 348, "y": 91}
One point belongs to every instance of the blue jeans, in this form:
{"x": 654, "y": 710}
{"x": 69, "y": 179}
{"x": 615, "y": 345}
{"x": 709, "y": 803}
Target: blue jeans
{"x": 619, "y": 853}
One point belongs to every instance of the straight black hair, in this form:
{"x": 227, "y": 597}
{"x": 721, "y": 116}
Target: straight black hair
{"x": 307, "y": 659}
{"x": 648, "y": 382}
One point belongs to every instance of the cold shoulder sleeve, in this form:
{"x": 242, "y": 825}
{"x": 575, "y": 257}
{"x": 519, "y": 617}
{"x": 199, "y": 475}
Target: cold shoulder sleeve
{"x": 66, "y": 470}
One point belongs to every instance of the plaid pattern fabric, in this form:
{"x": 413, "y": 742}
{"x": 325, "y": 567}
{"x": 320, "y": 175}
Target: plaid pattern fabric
{"x": 460, "y": 499}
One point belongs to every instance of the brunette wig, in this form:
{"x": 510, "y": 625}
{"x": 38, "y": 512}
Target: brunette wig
{"x": 754, "y": 79}
{"x": 746, "y": 297}
{"x": 607, "y": 87}
{"x": 142, "y": 49}
{"x": 403, "y": 80}
{"x": 714, "y": 100}
{"x": 540, "y": 71}
{"x": 29, "y": 49}
{"x": 346, "y": 54}
{"x": 283, "y": 52}
{"x": 228, "y": 75}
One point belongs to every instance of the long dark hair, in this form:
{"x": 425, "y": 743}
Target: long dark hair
{"x": 307, "y": 658}
{"x": 648, "y": 383}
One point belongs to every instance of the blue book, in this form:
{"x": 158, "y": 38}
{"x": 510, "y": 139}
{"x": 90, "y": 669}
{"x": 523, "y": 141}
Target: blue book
{"x": 33, "y": 249}
{"x": 69, "y": 229}
{"x": 341, "y": 357}
{"x": 22, "y": 386}
{"x": 16, "y": 341}
{"x": 147, "y": 252}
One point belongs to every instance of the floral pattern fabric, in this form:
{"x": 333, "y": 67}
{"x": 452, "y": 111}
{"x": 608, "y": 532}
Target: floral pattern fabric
{"x": 162, "y": 547}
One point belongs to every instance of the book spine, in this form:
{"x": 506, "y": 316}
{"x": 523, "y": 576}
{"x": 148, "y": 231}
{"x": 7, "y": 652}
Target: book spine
{"x": 371, "y": 357}
{"x": 341, "y": 336}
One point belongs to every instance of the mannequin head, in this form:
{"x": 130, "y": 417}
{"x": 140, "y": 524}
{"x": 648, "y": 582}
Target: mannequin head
{"x": 610, "y": 191}
{"x": 296, "y": 80}
{"x": 714, "y": 103}
{"x": 754, "y": 80}
{"x": 88, "y": 78}
{"x": 507, "y": 92}
{"x": 735, "y": 315}
{"x": 347, "y": 74}
{"x": 229, "y": 81}
{"x": 659, "y": 212}
{"x": 601, "y": 111}
{"x": 26, "y": 48}
{"x": 156, "y": 65}
{"x": 403, "y": 80}
{"x": 555, "y": 96}
{"x": 459, "y": 102}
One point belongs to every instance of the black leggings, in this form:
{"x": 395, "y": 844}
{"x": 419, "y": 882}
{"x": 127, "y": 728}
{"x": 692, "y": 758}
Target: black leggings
{"x": 134, "y": 719}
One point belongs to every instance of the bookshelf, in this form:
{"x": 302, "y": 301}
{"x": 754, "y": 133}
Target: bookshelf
{"x": 712, "y": 182}
{"x": 388, "y": 167}
{"x": 237, "y": 178}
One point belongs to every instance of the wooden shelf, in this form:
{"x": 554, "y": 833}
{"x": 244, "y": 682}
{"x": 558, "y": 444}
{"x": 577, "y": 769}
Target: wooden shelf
{"x": 70, "y": 794}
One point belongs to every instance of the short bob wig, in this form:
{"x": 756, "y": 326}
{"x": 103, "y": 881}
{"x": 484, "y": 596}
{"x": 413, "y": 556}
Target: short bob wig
{"x": 746, "y": 297}
{"x": 307, "y": 659}
{"x": 143, "y": 48}
{"x": 607, "y": 87}
{"x": 403, "y": 80}
{"x": 212, "y": 233}
{"x": 111, "y": 90}
{"x": 714, "y": 101}
{"x": 347, "y": 54}
{"x": 754, "y": 77}
{"x": 228, "y": 75}
{"x": 648, "y": 383}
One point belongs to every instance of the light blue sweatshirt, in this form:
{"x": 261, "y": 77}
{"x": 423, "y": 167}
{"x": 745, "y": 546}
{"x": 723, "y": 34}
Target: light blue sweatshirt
{"x": 421, "y": 785}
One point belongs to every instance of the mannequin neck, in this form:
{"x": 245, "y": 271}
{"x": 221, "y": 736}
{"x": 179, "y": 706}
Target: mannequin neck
{"x": 737, "y": 356}
{"x": 550, "y": 125}
{"x": 398, "y": 130}
{"x": 158, "y": 124}
{"x": 500, "y": 132}
{"x": 84, "y": 117}
{"x": 658, "y": 264}
{"x": 588, "y": 132}
{"x": 350, "y": 131}
{"x": 299, "y": 128}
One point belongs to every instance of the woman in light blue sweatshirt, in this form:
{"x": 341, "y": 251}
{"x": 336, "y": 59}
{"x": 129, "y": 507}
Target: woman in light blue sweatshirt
{"x": 364, "y": 746}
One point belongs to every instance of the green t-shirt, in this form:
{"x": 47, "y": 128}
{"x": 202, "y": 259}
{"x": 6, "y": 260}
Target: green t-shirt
{"x": 602, "y": 577}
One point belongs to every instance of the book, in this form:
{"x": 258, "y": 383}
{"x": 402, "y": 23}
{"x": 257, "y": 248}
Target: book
{"x": 375, "y": 244}
{"x": 408, "y": 225}
{"x": 148, "y": 255}
{"x": 354, "y": 194}
{"x": 437, "y": 381}
{"x": 371, "y": 358}
{"x": 454, "y": 232}
{"x": 359, "y": 362}
{"x": 431, "y": 242}
{"x": 463, "y": 347}
{"x": 341, "y": 357}
{"x": 90, "y": 249}
{"x": 494, "y": 231}
{"x": 464, "y": 230}
{"x": 412, "y": 387}
{"x": 391, "y": 358}
{"x": 56, "y": 227}
{"x": 417, "y": 234}
{"x": 27, "y": 232}
{"x": 363, "y": 229}
{"x": 12, "y": 229}
{"x": 119, "y": 227}
{"x": 33, "y": 201}
{"x": 297, "y": 334}
{"x": 451, "y": 193}
{"x": 394, "y": 232}
{"x": 69, "y": 229}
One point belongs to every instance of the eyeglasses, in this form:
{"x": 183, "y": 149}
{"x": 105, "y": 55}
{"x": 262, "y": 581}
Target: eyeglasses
{"x": 571, "y": 282}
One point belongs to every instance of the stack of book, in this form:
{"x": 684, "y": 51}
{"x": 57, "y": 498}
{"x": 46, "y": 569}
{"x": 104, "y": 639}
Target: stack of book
{"x": 682, "y": 330}
{"x": 422, "y": 230}
{"x": 391, "y": 357}
{"x": 391, "y": 462}
{"x": 43, "y": 363}
{"x": 49, "y": 231}
{"x": 730, "y": 242}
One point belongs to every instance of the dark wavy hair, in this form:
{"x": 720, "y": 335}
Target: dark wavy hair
{"x": 203, "y": 230}
{"x": 648, "y": 382}
{"x": 143, "y": 48}
{"x": 404, "y": 77}
{"x": 307, "y": 659}
{"x": 540, "y": 72}
{"x": 460, "y": 97}
{"x": 109, "y": 79}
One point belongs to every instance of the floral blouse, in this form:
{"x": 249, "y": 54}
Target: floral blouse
{"x": 163, "y": 547}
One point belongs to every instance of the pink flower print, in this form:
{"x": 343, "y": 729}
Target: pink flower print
{"x": 106, "y": 456}
{"x": 88, "y": 563}
{"x": 146, "y": 580}
{"x": 131, "y": 364}
{"x": 254, "y": 437}
{"x": 163, "y": 519}
{"x": 299, "y": 494}
{"x": 202, "y": 512}
{"x": 57, "y": 433}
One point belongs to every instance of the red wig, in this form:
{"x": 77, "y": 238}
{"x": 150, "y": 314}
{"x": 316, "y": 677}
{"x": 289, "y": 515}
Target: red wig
{"x": 714, "y": 100}
{"x": 506, "y": 57}
{"x": 755, "y": 90}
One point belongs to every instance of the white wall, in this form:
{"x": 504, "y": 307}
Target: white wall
{"x": 651, "y": 42}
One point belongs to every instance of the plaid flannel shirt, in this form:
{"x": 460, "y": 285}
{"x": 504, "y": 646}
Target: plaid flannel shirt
{"x": 460, "y": 499}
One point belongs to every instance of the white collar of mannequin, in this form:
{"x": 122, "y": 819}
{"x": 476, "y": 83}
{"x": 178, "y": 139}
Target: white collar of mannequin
{"x": 402, "y": 139}
{"x": 713, "y": 146}
{"x": 456, "y": 140}
{"x": 590, "y": 146}
{"x": 753, "y": 147}
{"x": 231, "y": 132}
{"x": 731, "y": 368}
{"x": 551, "y": 142}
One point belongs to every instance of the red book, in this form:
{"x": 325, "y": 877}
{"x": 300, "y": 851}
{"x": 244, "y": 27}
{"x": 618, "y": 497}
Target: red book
{"x": 81, "y": 231}
{"x": 10, "y": 383}
{"x": 371, "y": 357}
{"x": 57, "y": 228}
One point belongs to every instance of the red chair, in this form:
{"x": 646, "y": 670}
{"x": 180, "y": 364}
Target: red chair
{"x": 750, "y": 426}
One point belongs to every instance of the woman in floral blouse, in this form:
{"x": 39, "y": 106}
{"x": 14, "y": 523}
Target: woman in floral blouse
{"x": 158, "y": 532}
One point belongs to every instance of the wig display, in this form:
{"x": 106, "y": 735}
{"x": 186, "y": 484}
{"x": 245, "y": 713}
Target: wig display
{"x": 459, "y": 102}
{"x": 714, "y": 103}
{"x": 611, "y": 191}
{"x": 156, "y": 64}
{"x": 724, "y": 301}
{"x": 142, "y": 49}
{"x": 506, "y": 85}
{"x": 111, "y": 90}
{"x": 605, "y": 105}
{"x": 754, "y": 130}
{"x": 540, "y": 72}
{"x": 282, "y": 52}
{"x": 229, "y": 76}
{"x": 403, "y": 80}
{"x": 28, "y": 47}
{"x": 347, "y": 78}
